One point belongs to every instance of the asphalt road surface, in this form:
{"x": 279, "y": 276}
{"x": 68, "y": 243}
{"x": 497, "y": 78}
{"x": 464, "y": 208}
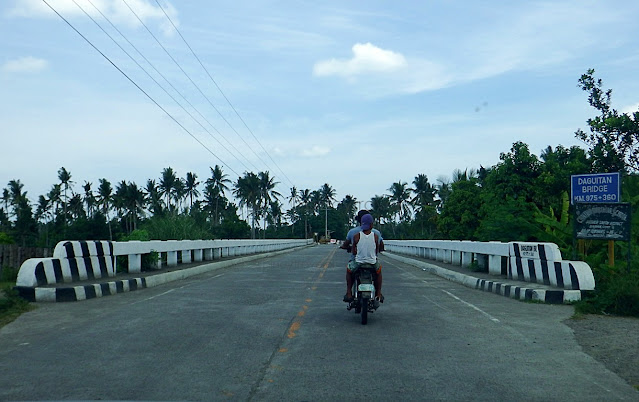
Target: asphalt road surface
{"x": 277, "y": 329}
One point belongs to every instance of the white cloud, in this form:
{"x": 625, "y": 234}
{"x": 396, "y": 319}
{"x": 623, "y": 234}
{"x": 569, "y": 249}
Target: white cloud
{"x": 24, "y": 65}
{"x": 115, "y": 10}
{"x": 316, "y": 151}
{"x": 630, "y": 109}
{"x": 367, "y": 58}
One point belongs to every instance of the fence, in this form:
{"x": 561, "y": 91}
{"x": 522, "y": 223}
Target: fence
{"x": 12, "y": 255}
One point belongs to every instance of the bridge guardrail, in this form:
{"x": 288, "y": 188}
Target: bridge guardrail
{"x": 524, "y": 261}
{"x": 75, "y": 261}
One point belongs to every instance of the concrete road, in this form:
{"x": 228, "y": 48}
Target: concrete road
{"x": 276, "y": 329}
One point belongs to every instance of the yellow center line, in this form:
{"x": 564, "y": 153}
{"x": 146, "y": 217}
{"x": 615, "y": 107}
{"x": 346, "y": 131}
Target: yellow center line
{"x": 297, "y": 322}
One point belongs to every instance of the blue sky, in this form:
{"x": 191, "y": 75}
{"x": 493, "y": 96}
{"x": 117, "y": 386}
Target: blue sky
{"x": 357, "y": 94}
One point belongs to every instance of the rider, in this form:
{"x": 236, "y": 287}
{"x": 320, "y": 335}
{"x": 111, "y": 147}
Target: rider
{"x": 370, "y": 244}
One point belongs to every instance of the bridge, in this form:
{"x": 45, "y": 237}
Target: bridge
{"x": 82, "y": 270}
{"x": 275, "y": 328}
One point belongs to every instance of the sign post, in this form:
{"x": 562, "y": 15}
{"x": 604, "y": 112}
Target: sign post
{"x": 604, "y": 221}
{"x": 597, "y": 188}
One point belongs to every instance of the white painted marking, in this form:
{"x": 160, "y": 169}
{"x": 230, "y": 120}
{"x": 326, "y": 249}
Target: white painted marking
{"x": 493, "y": 319}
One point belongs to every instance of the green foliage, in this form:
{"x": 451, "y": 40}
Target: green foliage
{"x": 460, "y": 218}
{"x": 5, "y": 238}
{"x": 175, "y": 227}
{"x": 614, "y": 136}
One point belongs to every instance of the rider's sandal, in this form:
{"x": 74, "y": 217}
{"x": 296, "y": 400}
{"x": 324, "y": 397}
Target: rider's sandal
{"x": 348, "y": 299}
{"x": 380, "y": 298}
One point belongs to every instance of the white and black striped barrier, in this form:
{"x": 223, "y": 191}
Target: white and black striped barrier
{"x": 535, "y": 263}
{"x": 52, "y": 279}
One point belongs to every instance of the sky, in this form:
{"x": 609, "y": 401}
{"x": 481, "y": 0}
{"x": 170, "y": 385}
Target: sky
{"x": 356, "y": 94}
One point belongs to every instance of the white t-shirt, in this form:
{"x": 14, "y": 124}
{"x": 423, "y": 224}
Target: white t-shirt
{"x": 366, "y": 247}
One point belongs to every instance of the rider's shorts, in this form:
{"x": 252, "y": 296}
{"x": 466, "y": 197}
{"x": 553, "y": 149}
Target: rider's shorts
{"x": 352, "y": 266}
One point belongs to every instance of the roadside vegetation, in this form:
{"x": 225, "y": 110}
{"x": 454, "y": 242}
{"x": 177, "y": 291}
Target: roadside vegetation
{"x": 524, "y": 197}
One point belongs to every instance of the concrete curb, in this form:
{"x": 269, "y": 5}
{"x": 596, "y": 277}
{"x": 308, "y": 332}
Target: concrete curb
{"x": 77, "y": 293}
{"x": 514, "y": 291}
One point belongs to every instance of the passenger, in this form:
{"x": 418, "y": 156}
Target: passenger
{"x": 368, "y": 250}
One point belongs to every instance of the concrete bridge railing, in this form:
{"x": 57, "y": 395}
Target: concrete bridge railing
{"x": 524, "y": 261}
{"x": 74, "y": 261}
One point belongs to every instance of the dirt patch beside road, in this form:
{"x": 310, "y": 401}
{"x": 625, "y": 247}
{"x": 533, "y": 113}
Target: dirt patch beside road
{"x": 613, "y": 341}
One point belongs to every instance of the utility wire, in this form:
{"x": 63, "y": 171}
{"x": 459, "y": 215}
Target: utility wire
{"x": 137, "y": 86}
{"x": 181, "y": 69}
{"x": 222, "y": 92}
{"x": 152, "y": 78}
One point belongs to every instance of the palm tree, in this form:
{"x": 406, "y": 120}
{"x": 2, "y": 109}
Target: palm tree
{"x": 167, "y": 185}
{"x": 400, "y": 195}
{"x": 424, "y": 193}
{"x": 292, "y": 199}
{"x": 65, "y": 179}
{"x": 268, "y": 194}
{"x": 6, "y": 197}
{"x": 305, "y": 199}
{"x": 349, "y": 206}
{"x": 105, "y": 198}
{"x": 76, "y": 206}
{"x": 129, "y": 199}
{"x": 247, "y": 190}
{"x": 218, "y": 180}
{"x": 443, "y": 191}
{"x": 381, "y": 207}
{"x": 43, "y": 211}
{"x": 89, "y": 198}
{"x": 190, "y": 184}
{"x": 179, "y": 193}
{"x": 54, "y": 198}
{"x": 153, "y": 197}
{"x": 327, "y": 197}
{"x": 15, "y": 196}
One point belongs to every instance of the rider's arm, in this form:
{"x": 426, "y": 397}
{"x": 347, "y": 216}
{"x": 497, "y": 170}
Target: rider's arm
{"x": 355, "y": 241}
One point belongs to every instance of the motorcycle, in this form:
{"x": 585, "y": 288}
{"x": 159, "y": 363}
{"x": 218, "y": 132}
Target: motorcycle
{"x": 364, "y": 301}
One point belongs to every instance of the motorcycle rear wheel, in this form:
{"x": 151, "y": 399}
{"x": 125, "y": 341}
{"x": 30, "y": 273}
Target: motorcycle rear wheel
{"x": 364, "y": 307}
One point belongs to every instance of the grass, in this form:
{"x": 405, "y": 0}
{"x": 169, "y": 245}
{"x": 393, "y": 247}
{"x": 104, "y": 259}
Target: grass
{"x": 11, "y": 305}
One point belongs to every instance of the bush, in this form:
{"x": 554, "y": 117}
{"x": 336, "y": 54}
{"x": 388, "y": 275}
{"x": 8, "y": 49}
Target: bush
{"x": 617, "y": 293}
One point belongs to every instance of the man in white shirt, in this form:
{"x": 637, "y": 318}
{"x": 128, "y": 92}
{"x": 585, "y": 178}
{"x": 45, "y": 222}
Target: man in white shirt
{"x": 366, "y": 245}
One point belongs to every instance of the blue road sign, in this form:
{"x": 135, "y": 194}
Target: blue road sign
{"x": 599, "y": 187}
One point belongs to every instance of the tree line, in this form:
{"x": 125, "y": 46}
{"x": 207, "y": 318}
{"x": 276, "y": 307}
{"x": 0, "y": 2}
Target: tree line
{"x": 523, "y": 197}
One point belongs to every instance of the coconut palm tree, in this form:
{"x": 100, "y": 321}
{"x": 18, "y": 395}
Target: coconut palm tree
{"x": 381, "y": 207}
{"x": 6, "y": 197}
{"x": 400, "y": 196}
{"x": 268, "y": 194}
{"x": 167, "y": 185}
{"x": 219, "y": 181}
{"x": 190, "y": 186}
{"x": 15, "y": 196}
{"x": 247, "y": 190}
{"x": 104, "y": 201}
{"x": 89, "y": 198}
{"x": 65, "y": 179}
{"x": 292, "y": 199}
{"x": 424, "y": 193}
{"x": 305, "y": 200}
{"x": 153, "y": 198}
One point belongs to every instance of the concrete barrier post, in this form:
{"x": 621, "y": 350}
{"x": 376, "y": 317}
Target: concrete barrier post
{"x": 135, "y": 263}
{"x": 171, "y": 258}
{"x": 186, "y": 256}
{"x": 466, "y": 259}
{"x": 494, "y": 264}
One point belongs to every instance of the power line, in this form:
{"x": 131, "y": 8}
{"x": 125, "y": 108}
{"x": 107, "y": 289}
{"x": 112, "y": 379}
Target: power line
{"x": 184, "y": 72}
{"x": 152, "y": 78}
{"x": 137, "y": 86}
{"x": 222, "y": 92}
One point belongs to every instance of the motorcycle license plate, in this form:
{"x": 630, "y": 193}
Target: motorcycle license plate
{"x": 366, "y": 287}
